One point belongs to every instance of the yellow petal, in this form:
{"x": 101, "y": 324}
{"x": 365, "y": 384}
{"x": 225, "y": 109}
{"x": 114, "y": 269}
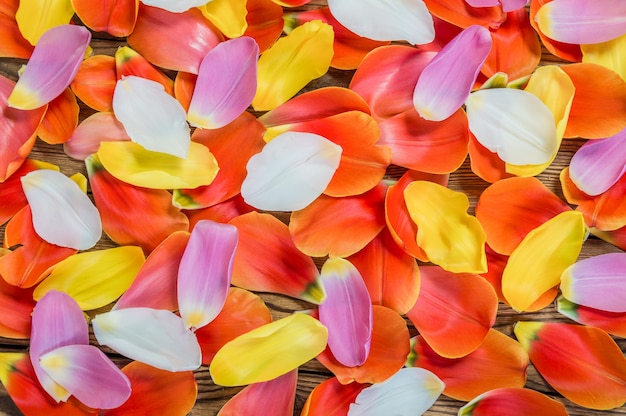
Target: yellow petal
{"x": 34, "y": 17}
{"x": 228, "y": 15}
{"x": 269, "y": 351}
{"x": 611, "y": 54}
{"x": 292, "y": 62}
{"x": 556, "y": 90}
{"x": 535, "y": 266}
{"x": 94, "y": 278}
{"x": 80, "y": 180}
{"x": 131, "y": 163}
{"x": 449, "y": 236}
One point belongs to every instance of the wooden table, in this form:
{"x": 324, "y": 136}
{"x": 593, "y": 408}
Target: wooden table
{"x": 212, "y": 397}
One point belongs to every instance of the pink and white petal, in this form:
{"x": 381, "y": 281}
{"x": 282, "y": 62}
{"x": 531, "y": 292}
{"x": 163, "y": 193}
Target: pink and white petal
{"x": 513, "y": 123}
{"x": 151, "y": 117}
{"x": 205, "y": 272}
{"x": 62, "y": 213}
{"x": 447, "y": 80}
{"x": 599, "y": 164}
{"x": 97, "y": 128}
{"x": 52, "y": 66}
{"x": 411, "y": 391}
{"x": 582, "y": 21}
{"x": 88, "y": 374}
{"x": 226, "y": 83}
{"x": 597, "y": 282}
{"x": 290, "y": 172}
{"x": 155, "y": 337}
{"x": 175, "y": 6}
{"x": 346, "y": 312}
{"x": 399, "y": 20}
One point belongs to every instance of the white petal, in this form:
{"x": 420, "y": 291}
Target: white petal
{"x": 62, "y": 213}
{"x": 175, "y": 6}
{"x": 151, "y": 117}
{"x": 155, "y": 337}
{"x": 514, "y": 123}
{"x": 384, "y": 20}
{"x": 290, "y": 172}
{"x": 410, "y": 392}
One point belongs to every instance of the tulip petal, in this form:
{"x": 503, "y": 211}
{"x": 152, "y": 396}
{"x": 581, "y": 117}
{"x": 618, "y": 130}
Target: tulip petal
{"x": 128, "y": 62}
{"x": 226, "y": 83}
{"x": 267, "y": 260}
{"x": 612, "y": 322}
{"x": 176, "y": 6}
{"x": 460, "y": 13}
{"x": 86, "y": 138}
{"x": 402, "y": 20}
{"x": 35, "y": 17}
{"x": 62, "y": 213}
{"x": 565, "y": 352}
{"x": 582, "y": 21}
{"x": 608, "y": 54}
{"x": 291, "y": 63}
{"x": 276, "y": 397}
{"x": 60, "y": 120}
{"x": 228, "y": 16}
{"x": 87, "y": 374}
{"x": 13, "y": 44}
{"x": 290, "y": 172}
{"x": 331, "y": 398}
{"x": 95, "y": 278}
{"x": 535, "y": 266}
{"x": 95, "y": 81}
{"x": 51, "y": 67}
{"x": 131, "y": 163}
{"x": 155, "y": 337}
{"x": 265, "y": 22}
{"x": 411, "y": 391}
{"x": 523, "y": 125}
{"x": 449, "y": 236}
{"x": 115, "y": 18}
{"x": 12, "y": 198}
{"x": 456, "y": 69}
{"x": 269, "y": 351}
{"x": 16, "y": 307}
{"x": 512, "y": 402}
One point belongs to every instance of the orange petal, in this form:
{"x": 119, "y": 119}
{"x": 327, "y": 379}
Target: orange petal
{"x": 12, "y": 43}
{"x": 156, "y": 391}
{"x": 265, "y": 22}
{"x": 331, "y": 398}
{"x": 566, "y": 51}
{"x": 454, "y": 312}
{"x": 60, "y": 119}
{"x": 511, "y": 208}
{"x": 388, "y": 351}
{"x": 222, "y": 212}
{"x": 513, "y": 402}
{"x": 615, "y": 237}
{"x": 267, "y": 260}
{"x": 565, "y": 352}
{"x": 94, "y": 82}
{"x": 117, "y": 18}
{"x": 498, "y": 362}
{"x": 496, "y": 263}
{"x": 245, "y": 133}
{"x": 184, "y": 85}
{"x": 595, "y": 83}
{"x": 338, "y": 227}
{"x": 390, "y": 274}
{"x": 485, "y": 163}
{"x": 461, "y": 14}
{"x": 128, "y": 62}
{"x": 16, "y": 307}
{"x": 242, "y": 312}
{"x": 29, "y": 263}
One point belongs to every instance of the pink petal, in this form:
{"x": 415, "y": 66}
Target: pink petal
{"x": 97, "y": 128}
{"x": 205, "y": 271}
{"x": 599, "y": 164}
{"x": 507, "y": 5}
{"x": 447, "y": 80}
{"x": 51, "y": 67}
{"x": 226, "y": 83}
{"x": 88, "y": 374}
{"x": 346, "y": 312}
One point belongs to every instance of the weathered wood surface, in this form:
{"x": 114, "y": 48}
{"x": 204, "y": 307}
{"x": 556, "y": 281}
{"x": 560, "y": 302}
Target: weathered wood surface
{"x": 212, "y": 397}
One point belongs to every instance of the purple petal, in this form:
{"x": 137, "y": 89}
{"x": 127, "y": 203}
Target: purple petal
{"x": 447, "y": 80}
{"x": 52, "y": 66}
{"x": 88, "y": 374}
{"x": 599, "y": 164}
{"x": 346, "y": 312}
{"x": 226, "y": 83}
{"x": 205, "y": 271}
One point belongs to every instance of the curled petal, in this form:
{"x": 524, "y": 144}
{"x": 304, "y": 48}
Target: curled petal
{"x": 460, "y": 13}
{"x": 155, "y": 337}
{"x": 34, "y": 17}
{"x": 62, "y": 213}
{"x": 51, "y": 67}
{"x": 513, "y": 402}
{"x": 116, "y": 18}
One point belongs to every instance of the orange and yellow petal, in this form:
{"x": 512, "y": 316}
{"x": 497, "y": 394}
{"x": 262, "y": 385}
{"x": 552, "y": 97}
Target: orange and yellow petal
{"x": 60, "y": 120}
{"x": 115, "y": 18}
{"x": 94, "y": 82}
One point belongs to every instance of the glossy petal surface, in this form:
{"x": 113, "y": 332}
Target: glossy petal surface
{"x": 60, "y": 120}
{"x": 513, "y": 402}
{"x": 116, "y": 18}
{"x": 94, "y": 82}
{"x": 229, "y": 16}
{"x": 34, "y": 17}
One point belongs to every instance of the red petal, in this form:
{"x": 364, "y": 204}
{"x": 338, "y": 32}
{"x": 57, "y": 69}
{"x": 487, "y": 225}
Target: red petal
{"x": 460, "y": 13}
{"x": 128, "y": 62}
{"x": 184, "y": 85}
{"x": 513, "y": 402}
{"x": 612, "y": 322}
{"x": 12, "y": 198}
{"x": 331, "y": 398}
{"x": 486, "y": 164}
{"x": 16, "y": 306}
{"x": 222, "y": 212}
{"x": 265, "y": 22}
{"x": 116, "y": 18}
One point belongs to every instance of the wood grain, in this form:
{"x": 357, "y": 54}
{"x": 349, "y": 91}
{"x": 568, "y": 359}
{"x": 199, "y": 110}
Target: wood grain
{"x": 210, "y": 396}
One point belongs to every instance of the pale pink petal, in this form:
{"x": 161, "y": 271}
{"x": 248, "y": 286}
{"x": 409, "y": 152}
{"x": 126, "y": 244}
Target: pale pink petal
{"x": 88, "y": 375}
{"x": 447, "y": 80}
{"x": 226, "y": 83}
{"x": 97, "y": 128}
{"x": 205, "y": 271}
{"x": 507, "y": 5}
{"x": 51, "y": 67}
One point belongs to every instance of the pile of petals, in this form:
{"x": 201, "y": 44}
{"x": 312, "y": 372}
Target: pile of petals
{"x": 216, "y": 169}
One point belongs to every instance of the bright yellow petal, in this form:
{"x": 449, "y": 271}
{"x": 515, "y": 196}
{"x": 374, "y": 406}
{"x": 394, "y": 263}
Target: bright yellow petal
{"x": 269, "y": 351}
{"x": 131, "y": 163}
{"x": 449, "y": 236}
{"x": 535, "y": 266}
{"x": 611, "y": 54}
{"x": 80, "y": 180}
{"x": 556, "y": 90}
{"x": 292, "y": 62}
{"x": 228, "y": 15}
{"x": 94, "y": 278}
{"x": 34, "y": 17}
